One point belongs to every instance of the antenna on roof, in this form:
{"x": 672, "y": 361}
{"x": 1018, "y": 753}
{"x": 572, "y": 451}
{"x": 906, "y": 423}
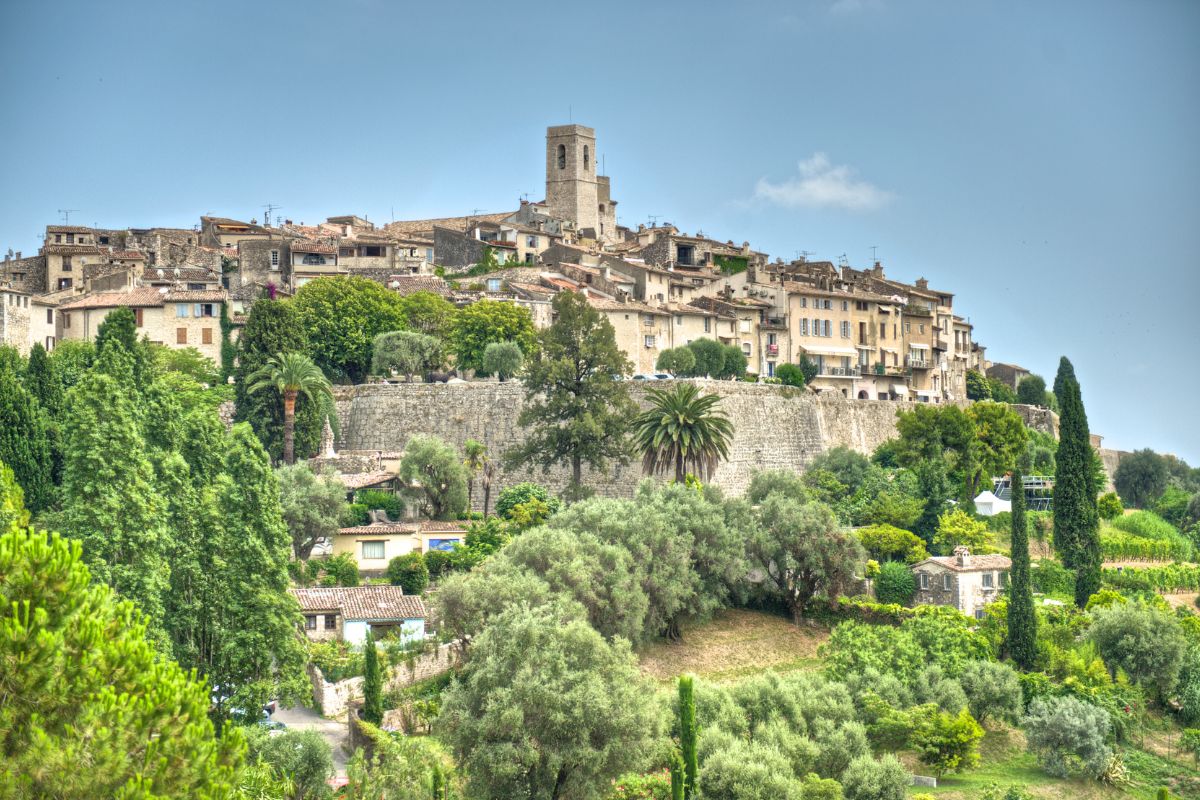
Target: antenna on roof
{"x": 874, "y": 247}
{"x": 66, "y": 214}
{"x": 804, "y": 254}
{"x": 653, "y": 220}
{"x": 271, "y": 208}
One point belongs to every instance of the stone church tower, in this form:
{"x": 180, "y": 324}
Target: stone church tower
{"x": 573, "y": 189}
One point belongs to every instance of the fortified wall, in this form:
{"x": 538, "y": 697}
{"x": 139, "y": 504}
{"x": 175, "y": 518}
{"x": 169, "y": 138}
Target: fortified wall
{"x": 775, "y": 427}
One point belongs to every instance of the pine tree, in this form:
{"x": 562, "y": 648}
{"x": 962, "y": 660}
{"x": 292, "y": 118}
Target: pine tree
{"x": 372, "y": 710}
{"x": 1076, "y": 518}
{"x": 24, "y": 442}
{"x": 1022, "y": 619}
{"x": 688, "y": 734}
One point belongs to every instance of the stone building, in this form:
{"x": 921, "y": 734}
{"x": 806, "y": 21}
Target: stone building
{"x": 964, "y": 581}
{"x": 347, "y": 613}
{"x": 573, "y": 189}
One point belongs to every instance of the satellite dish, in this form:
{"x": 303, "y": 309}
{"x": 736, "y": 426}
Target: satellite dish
{"x": 159, "y": 271}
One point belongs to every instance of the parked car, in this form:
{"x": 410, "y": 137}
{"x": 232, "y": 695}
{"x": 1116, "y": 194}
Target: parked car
{"x": 641, "y": 377}
{"x": 664, "y": 376}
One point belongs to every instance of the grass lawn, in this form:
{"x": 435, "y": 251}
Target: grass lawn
{"x": 734, "y": 644}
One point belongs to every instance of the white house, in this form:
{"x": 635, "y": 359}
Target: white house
{"x": 348, "y": 612}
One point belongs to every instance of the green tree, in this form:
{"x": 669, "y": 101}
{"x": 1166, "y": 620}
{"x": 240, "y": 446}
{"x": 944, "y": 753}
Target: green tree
{"x": 999, "y": 442}
{"x": 292, "y": 375}
{"x": 476, "y": 460}
{"x": 487, "y": 321}
{"x": 521, "y": 493}
{"x": 93, "y": 691}
{"x": 409, "y": 572}
{"x": 72, "y": 359}
{"x": 312, "y": 505}
{"x": 342, "y": 315}
{"x": 868, "y": 779}
{"x": 677, "y": 775}
{"x": 956, "y": 527}
{"x": 372, "y": 708}
{"x": 1032, "y": 390}
{"x": 406, "y": 353}
{"x": 1068, "y": 735}
{"x": 1144, "y": 641}
{"x": 733, "y": 363}
{"x": 851, "y": 468}
{"x": 1066, "y": 370}
{"x": 575, "y": 411}
{"x": 502, "y": 359}
{"x": 688, "y": 735}
{"x": 119, "y": 329}
{"x": 1001, "y": 392}
{"x": 889, "y": 543}
{"x": 934, "y": 490}
{"x": 682, "y": 432}
{"x": 1109, "y": 506}
{"x": 25, "y": 442}
{"x": 808, "y": 368}
{"x": 43, "y": 381}
{"x": 437, "y": 470}
{"x": 546, "y": 708}
{"x": 947, "y": 742}
{"x": 790, "y": 375}
{"x": 274, "y": 327}
{"x": 978, "y": 387}
{"x": 709, "y": 355}
{"x": 111, "y": 504}
{"x": 679, "y": 361}
{"x": 1141, "y": 478}
{"x": 12, "y": 501}
{"x": 428, "y": 313}
{"x": 302, "y": 758}
{"x": 1022, "y": 619}
{"x": 895, "y": 584}
{"x": 802, "y": 551}
{"x": 1076, "y": 519}
{"x": 993, "y": 690}
{"x": 944, "y": 435}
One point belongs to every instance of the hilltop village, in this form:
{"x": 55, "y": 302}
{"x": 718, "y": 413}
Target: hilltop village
{"x": 868, "y": 336}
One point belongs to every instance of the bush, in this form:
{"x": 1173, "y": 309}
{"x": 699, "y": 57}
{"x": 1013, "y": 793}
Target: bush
{"x": 520, "y": 494}
{"x": 1110, "y": 506}
{"x": 379, "y": 500}
{"x": 993, "y": 691}
{"x": 947, "y": 742}
{"x": 679, "y": 361}
{"x": 868, "y": 779}
{"x": 1050, "y": 577}
{"x": 1168, "y": 578}
{"x": 340, "y": 570}
{"x": 957, "y": 527}
{"x": 655, "y": 786}
{"x": 502, "y": 359}
{"x": 437, "y": 562}
{"x": 1145, "y": 642}
{"x": 336, "y": 660}
{"x": 302, "y": 757}
{"x": 895, "y": 584}
{"x": 1068, "y": 735}
{"x": 409, "y": 572}
{"x": 356, "y": 514}
{"x": 789, "y": 375}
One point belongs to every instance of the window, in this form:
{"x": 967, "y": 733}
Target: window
{"x": 493, "y": 284}
{"x": 922, "y": 327}
{"x": 70, "y": 238}
{"x": 649, "y": 341}
{"x": 429, "y": 254}
{"x": 181, "y": 310}
{"x": 771, "y": 339}
{"x": 313, "y": 259}
{"x": 103, "y": 240}
{"x": 989, "y": 580}
{"x": 346, "y": 252}
{"x": 746, "y": 348}
{"x": 58, "y": 238}
{"x": 845, "y": 305}
{"x": 707, "y": 324}
{"x": 66, "y": 320}
{"x": 804, "y": 302}
{"x": 139, "y": 320}
{"x": 49, "y": 315}
{"x": 181, "y": 336}
{"x": 562, "y": 156}
{"x": 373, "y": 549}
{"x": 66, "y": 263}
{"x": 310, "y": 622}
{"x": 685, "y": 254}
{"x": 908, "y": 327}
{"x": 924, "y": 575}
{"x": 331, "y": 622}
{"x": 883, "y": 330}
{"x": 828, "y": 304}
{"x": 206, "y": 310}
{"x": 678, "y": 319}
{"x": 373, "y": 251}
{"x": 206, "y": 336}
{"x": 586, "y": 158}
{"x": 845, "y": 329}
{"x": 862, "y": 305}
{"x": 946, "y": 580}
{"x": 770, "y": 369}
{"x": 275, "y": 259}
{"x": 827, "y": 327}
{"x": 531, "y": 241}
{"x": 64, "y": 283}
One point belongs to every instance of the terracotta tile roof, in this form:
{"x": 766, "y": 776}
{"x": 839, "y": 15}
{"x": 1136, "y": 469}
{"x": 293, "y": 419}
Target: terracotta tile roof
{"x": 974, "y": 563}
{"x": 414, "y": 226}
{"x": 375, "y": 603}
{"x": 196, "y": 296}
{"x": 378, "y": 528}
{"x": 194, "y": 274}
{"x": 68, "y": 229}
{"x": 605, "y": 304}
{"x": 361, "y": 479}
{"x": 443, "y": 526}
{"x": 128, "y": 255}
{"x": 300, "y": 246}
{"x": 73, "y": 249}
{"x": 410, "y": 284}
{"x": 139, "y": 297}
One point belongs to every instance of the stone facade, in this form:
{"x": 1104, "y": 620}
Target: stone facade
{"x": 15, "y": 311}
{"x": 333, "y": 698}
{"x": 775, "y": 427}
{"x": 25, "y": 274}
{"x": 962, "y": 581}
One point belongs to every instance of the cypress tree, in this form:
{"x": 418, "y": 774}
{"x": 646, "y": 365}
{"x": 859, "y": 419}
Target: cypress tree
{"x": 1076, "y": 519}
{"x": 24, "y": 442}
{"x": 372, "y": 710}
{"x": 436, "y": 783}
{"x": 676, "y": 776}
{"x": 1065, "y": 370}
{"x": 119, "y": 328}
{"x": 688, "y": 734}
{"x": 1022, "y": 620}
{"x": 43, "y": 382}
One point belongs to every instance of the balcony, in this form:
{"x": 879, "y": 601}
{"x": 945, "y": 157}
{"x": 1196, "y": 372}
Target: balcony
{"x": 941, "y": 342}
{"x": 917, "y": 363}
{"x": 891, "y": 369}
{"x": 840, "y": 372}
{"x": 772, "y": 349}
{"x": 777, "y": 323}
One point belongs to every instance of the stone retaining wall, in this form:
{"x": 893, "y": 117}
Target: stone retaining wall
{"x": 332, "y": 699}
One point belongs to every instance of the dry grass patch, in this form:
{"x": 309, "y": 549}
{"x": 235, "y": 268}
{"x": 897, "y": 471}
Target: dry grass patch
{"x": 734, "y": 644}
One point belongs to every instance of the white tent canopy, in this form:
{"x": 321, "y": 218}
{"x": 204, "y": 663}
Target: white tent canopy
{"x": 989, "y": 505}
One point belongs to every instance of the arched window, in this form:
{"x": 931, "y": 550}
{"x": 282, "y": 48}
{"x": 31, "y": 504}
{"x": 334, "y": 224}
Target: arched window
{"x": 585, "y": 158}
{"x": 562, "y": 156}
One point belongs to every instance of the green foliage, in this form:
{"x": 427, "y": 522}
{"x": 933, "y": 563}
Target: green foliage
{"x": 1021, "y": 617}
{"x": 709, "y": 357}
{"x": 71, "y": 359}
{"x": 850, "y": 467}
{"x": 381, "y": 500}
{"x": 679, "y": 361}
{"x": 273, "y": 328}
{"x": 303, "y": 758}
{"x": 337, "y": 660}
{"x": 428, "y": 313}
{"x": 405, "y": 353}
{"x": 782, "y": 482}
{"x": 688, "y": 733}
{"x": 978, "y": 387}
{"x": 790, "y": 375}
{"x": 575, "y": 411}
{"x": 1141, "y": 478}
{"x": 993, "y": 691}
{"x": 733, "y": 363}
{"x": 93, "y": 691}
{"x": 1032, "y": 390}
{"x": 651, "y": 786}
{"x": 340, "y": 570}
{"x": 1172, "y": 505}
{"x": 502, "y": 359}
{"x": 487, "y": 321}
{"x": 291, "y": 375}
{"x": 1068, "y": 736}
{"x": 1109, "y": 506}
{"x": 682, "y": 432}
{"x": 938, "y": 639}
{"x": 119, "y": 331}
{"x": 342, "y": 315}
{"x": 520, "y": 494}
{"x": 957, "y": 527}
{"x": 409, "y": 572}
{"x": 436, "y": 468}
{"x": 397, "y": 768}
{"x": 868, "y": 779}
{"x": 1050, "y": 577}
{"x": 1076, "y": 520}
{"x": 947, "y": 742}
{"x": 1117, "y": 545}
{"x": 1168, "y": 578}
{"x": 25, "y": 444}
{"x": 355, "y": 514}
{"x": 372, "y": 707}
{"x": 228, "y": 349}
{"x": 1144, "y": 641}
{"x": 1000, "y": 391}
{"x": 1146, "y": 524}
{"x": 895, "y": 584}
{"x": 437, "y": 562}
{"x": 187, "y": 361}
{"x": 546, "y": 707}
{"x": 808, "y": 369}
{"x": 312, "y": 505}
{"x": 889, "y": 543}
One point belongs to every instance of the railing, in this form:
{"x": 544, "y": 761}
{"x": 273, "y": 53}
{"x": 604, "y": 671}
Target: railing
{"x": 916, "y": 363}
{"x": 772, "y": 349}
{"x": 841, "y": 372}
{"x": 774, "y": 322}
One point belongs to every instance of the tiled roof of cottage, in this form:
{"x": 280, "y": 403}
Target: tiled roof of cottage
{"x": 141, "y": 297}
{"x": 358, "y": 480}
{"x": 68, "y": 229}
{"x": 414, "y": 226}
{"x": 376, "y": 603}
{"x": 391, "y": 528}
{"x": 73, "y": 249}
{"x": 194, "y": 274}
{"x": 301, "y": 246}
{"x": 974, "y": 563}
{"x": 196, "y": 296}
{"x": 410, "y": 284}
{"x": 128, "y": 255}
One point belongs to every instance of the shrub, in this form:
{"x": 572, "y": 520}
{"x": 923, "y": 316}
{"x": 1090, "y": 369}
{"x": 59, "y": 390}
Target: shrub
{"x": 302, "y": 757}
{"x": 1190, "y": 741}
{"x": 1050, "y": 577}
{"x": 522, "y": 493}
{"x": 409, "y": 572}
{"x": 654, "y": 786}
{"x": 895, "y": 584}
{"x": 679, "y": 361}
{"x": 336, "y": 660}
{"x": 502, "y": 359}
{"x": 889, "y": 543}
{"x": 1168, "y": 578}
{"x": 437, "y": 562}
{"x": 356, "y": 514}
{"x": 993, "y": 690}
{"x": 1110, "y": 506}
{"x": 868, "y": 779}
{"x": 957, "y": 527}
{"x": 1145, "y": 642}
{"x": 379, "y": 500}
{"x": 1068, "y": 735}
{"x": 340, "y": 570}
{"x": 789, "y": 375}
{"x": 947, "y": 742}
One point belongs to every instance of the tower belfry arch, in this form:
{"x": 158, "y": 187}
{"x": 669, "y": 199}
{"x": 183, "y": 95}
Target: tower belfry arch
{"x": 573, "y": 189}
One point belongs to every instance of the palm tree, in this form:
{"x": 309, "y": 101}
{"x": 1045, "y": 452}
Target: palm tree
{"x": 682, "y": 431}
{"x": 292, "y": 375}
{"x": 474, "y": 457}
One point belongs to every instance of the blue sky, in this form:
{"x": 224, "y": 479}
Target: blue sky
{"x": 1040, "y": 160}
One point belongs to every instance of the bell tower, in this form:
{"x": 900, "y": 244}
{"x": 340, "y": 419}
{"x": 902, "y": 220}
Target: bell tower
{"x": 573, "y": 190}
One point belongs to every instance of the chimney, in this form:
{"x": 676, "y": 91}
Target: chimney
{"x": 962, "y": 556}
{"x": 922, "y": 283}
{"x": 18, "y": 256}
{"x": 877, "y": 270}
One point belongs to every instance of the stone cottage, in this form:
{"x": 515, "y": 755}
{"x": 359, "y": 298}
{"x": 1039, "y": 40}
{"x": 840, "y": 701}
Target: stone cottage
{"x": 964, "y": 581}
{"x": 347, "y": 612}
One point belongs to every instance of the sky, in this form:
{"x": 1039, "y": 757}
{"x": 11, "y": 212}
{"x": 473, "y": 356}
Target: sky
{"x": 1039, "y": 160}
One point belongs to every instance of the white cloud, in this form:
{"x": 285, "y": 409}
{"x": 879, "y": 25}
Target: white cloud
{"x": 855, "y": 6}
{"x": 822, "y": 184}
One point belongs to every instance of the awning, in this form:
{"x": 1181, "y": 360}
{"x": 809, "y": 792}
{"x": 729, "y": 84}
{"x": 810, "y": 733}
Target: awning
{"x": 864, "y": 347}
{"x": 899, "y": 388}
{"x": 887, "y": 350}
{"x": 919, "y": 346}
{"x": 831, "y": 351}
